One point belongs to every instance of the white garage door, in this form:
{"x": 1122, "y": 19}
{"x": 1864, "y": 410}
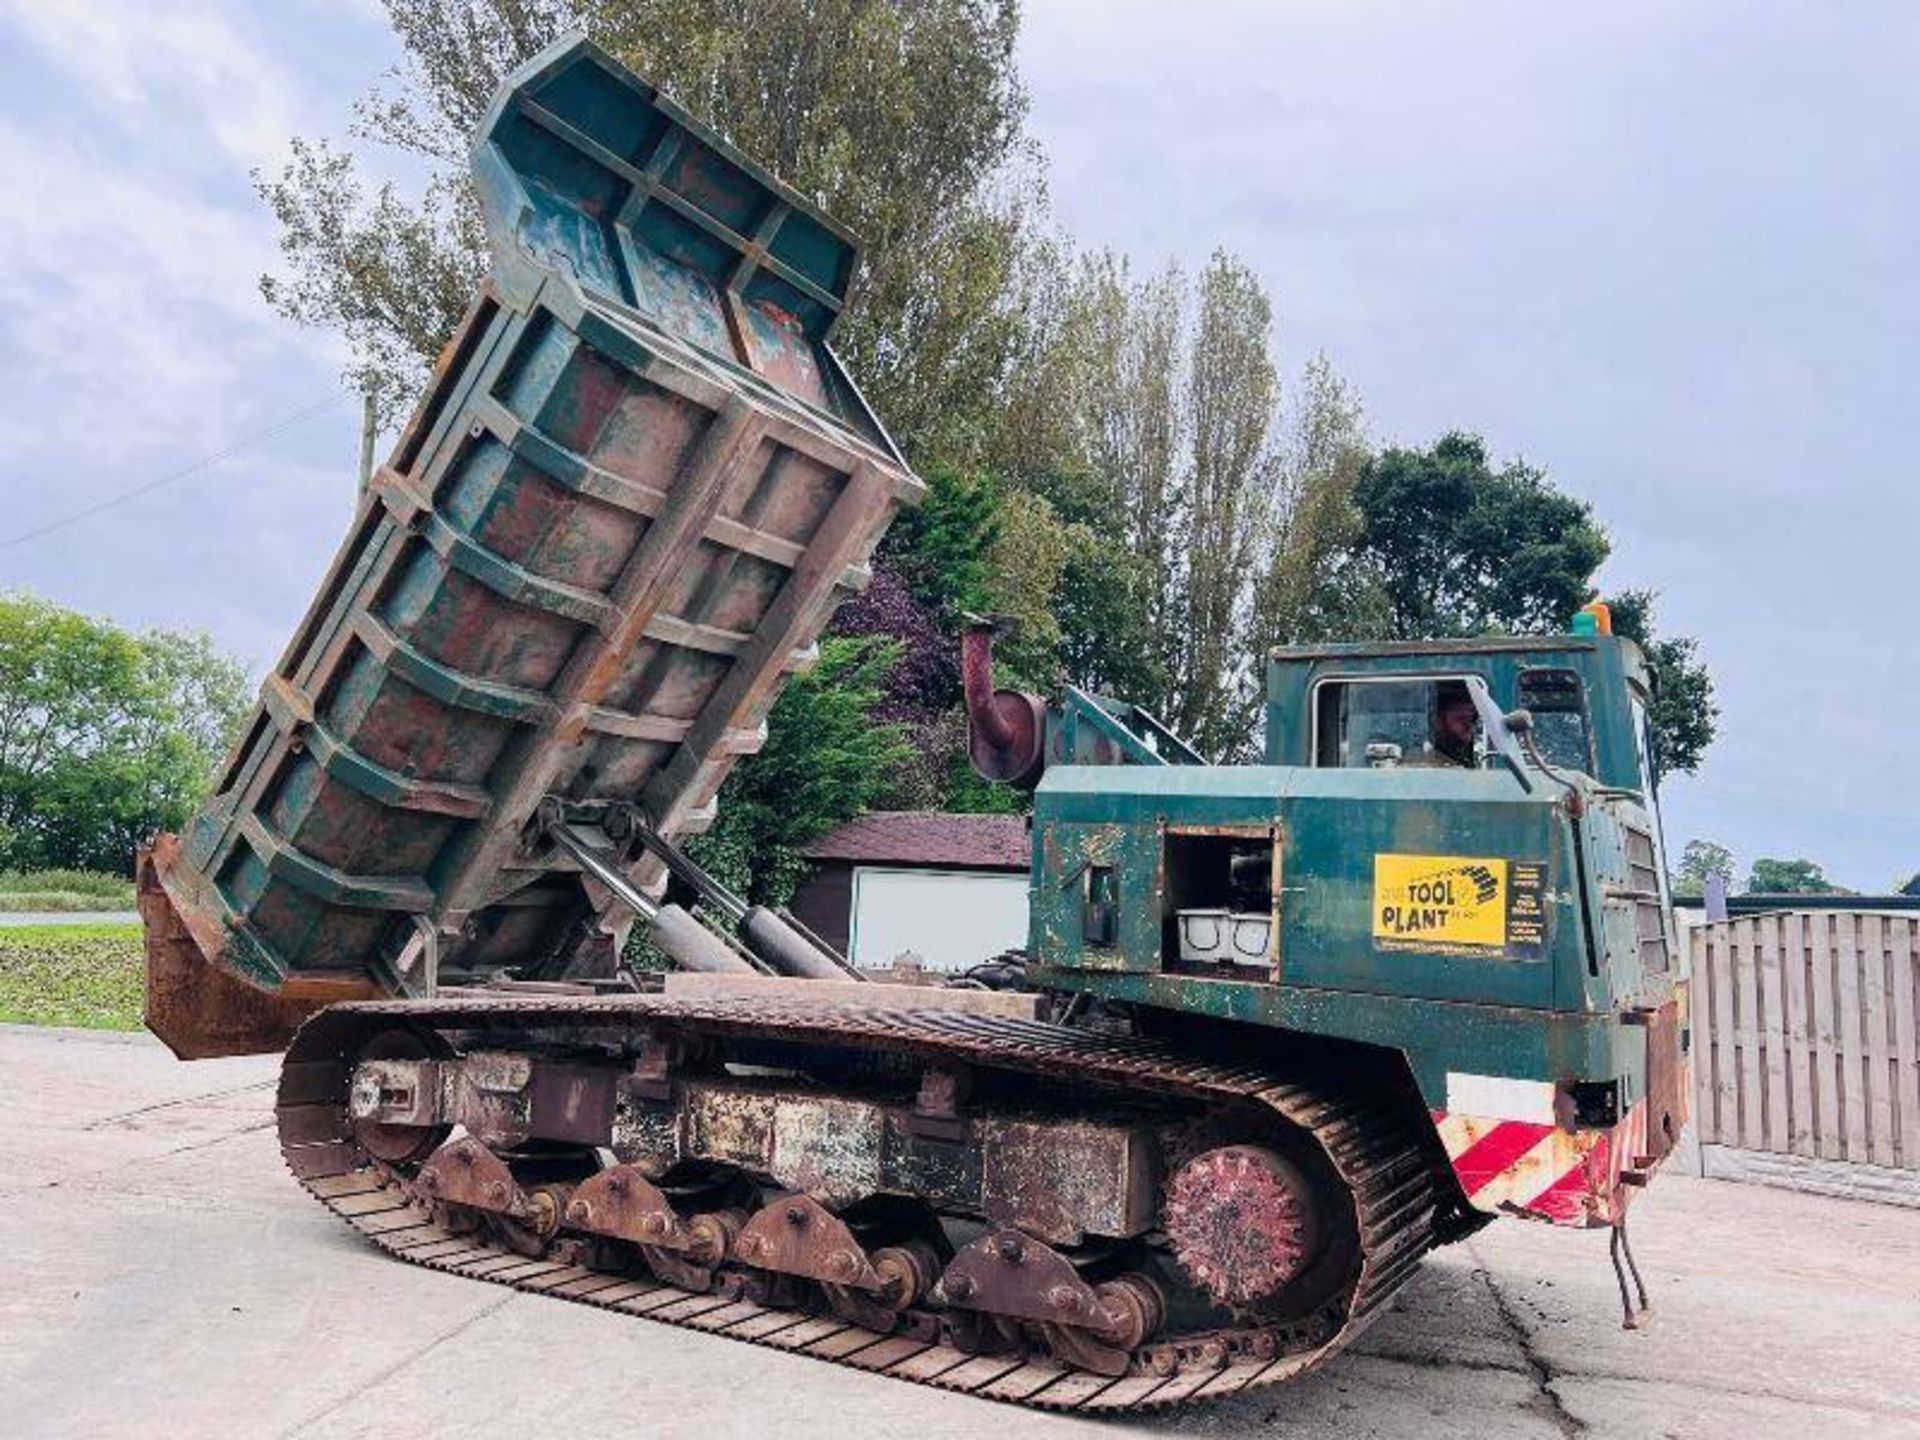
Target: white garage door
{"x": 951, "y": 920}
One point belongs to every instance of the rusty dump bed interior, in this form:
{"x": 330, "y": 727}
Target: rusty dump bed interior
{"x": 636, "y": 487}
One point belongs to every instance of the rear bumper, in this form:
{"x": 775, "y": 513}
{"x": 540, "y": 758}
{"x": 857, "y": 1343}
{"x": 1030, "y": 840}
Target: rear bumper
{"x": 1513, "y": 1155}
{"x": 1541, "y": 1172}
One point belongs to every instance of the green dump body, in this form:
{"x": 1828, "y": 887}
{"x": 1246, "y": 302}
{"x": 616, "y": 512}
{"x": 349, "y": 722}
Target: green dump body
{"x": 636, "y": 487}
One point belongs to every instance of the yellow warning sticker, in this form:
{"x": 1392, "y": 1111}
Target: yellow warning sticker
{"x": 1439, "y": 902}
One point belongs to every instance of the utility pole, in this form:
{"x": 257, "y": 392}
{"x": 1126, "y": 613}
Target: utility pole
{"x": 369, "y": 427}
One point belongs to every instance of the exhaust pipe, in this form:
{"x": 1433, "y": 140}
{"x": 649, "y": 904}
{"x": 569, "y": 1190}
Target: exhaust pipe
{"x": 1006, "y": 729}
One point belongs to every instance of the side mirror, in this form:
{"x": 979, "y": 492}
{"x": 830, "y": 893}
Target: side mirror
{"x": 1499, "y": 729}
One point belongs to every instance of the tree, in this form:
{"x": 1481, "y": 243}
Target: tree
{"x": 1683, "y": 716}
{"x": 1912, "y": 886}
{"x": 1460, "y": 548}
{"x": 905, "y": 121}
{"x": 1700, "y": 860}
{"x": 971, "y": 548}
{"x": 1232, "y": 394}
{"x": 1790, "y": 877}
{"x": 921, "y": 691}
{"x": 827, "y": 759}
{"x": 1110, "y": 455}
{"x": 1447, "y": 545}
{"x": 105, "y": 736}
{"x": 1103, "y": 600}
{"x": 942, "y": 550}
{"x": 1310, "y": 588}
{"x": 1031, "y": 550}
{"x": 1123, "y": 345}
{"x": 1145, "y": 415}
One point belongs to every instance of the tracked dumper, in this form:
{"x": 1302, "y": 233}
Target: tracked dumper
{"x": 1280, "y": 1028}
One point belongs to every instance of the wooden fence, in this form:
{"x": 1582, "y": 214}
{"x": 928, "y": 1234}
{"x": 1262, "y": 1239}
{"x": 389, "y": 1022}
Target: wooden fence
{"x": 1804, "y": 1038}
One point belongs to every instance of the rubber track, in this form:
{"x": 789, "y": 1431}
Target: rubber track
{"x": 1369, "y": 1144}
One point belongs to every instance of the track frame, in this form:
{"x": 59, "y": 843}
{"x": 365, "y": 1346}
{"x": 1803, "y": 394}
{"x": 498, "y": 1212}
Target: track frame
{"x": 1370, "y": 1140}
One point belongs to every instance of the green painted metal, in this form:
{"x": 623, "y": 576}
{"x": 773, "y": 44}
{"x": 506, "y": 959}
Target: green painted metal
{"x": 1614, "y": 670}
{"x": 585, "y": 170}
{"x": 1435, "y": 1038}
{"x": 1545, "y": 1004}
{"x": 625, "y": 509}
{"x": 1084, "y": 729}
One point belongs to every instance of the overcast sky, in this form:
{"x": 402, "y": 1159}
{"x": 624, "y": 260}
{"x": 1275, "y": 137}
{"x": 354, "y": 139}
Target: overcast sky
{"x": 1664, "y": 251}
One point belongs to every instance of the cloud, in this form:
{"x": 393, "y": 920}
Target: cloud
{"x": 131, "y": 243}
{"x": 132, "y": 331}
{"x": 166, "y": 64}
{"x": 128, "y": 310}
{"x": 1658, "y": 248}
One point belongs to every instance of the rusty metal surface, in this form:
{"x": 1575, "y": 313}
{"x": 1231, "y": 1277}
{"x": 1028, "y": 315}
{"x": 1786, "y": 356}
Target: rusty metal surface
{"x": 584, "y": 168}
{"x": 831, "y": 1146}
{"x": 1011, "y": 1004}
{"x": 1668, "y": 1084}
{"x": 1057, "y": 1177}
{"x": 465, "y": 1172}
{"x": 729, "y": 1123}
{"x": 1006, "y": 729}
{"x": 397, "y": 1092}
{"x": 1371, "y": 1148}
{"x": 1242, "y": 1222}
{"x": 621, "y": 1203}
{"x": 1064, "y": 1180}
{"x": 500, "y": 673}
{"x": 201, "y": 1012}
{"x": 797, "y": 1235}
{"x": 571, "y": 1102}
{"x": 490, "y": 1093}
{"x": 1006, "y": 1272}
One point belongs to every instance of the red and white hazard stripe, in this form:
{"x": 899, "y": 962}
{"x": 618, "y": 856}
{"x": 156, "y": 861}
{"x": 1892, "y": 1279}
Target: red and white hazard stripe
{"x": 1512, "y": 1158}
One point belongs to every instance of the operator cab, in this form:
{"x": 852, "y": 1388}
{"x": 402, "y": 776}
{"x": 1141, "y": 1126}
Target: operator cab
{"x": 1380, "y": 759}
{"x": 1587, "y": 695}
{"x": 1391, "y": 704}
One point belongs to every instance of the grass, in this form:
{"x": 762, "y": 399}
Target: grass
{"x": 86, "y": 975}
{"x": 63, "y": 891}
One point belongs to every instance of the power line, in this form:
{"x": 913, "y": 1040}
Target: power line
{"x": 205, "y": 462}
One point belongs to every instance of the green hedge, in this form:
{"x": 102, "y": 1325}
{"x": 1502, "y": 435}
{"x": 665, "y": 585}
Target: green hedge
{"x": 60, "y": 891}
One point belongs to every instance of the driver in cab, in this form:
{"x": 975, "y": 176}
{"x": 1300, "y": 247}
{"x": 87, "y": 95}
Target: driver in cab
{"x": 1453, "y": 731}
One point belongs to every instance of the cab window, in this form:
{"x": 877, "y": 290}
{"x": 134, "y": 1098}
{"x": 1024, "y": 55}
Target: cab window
{"x": 1557, "y": 699}
{"x": 1424, "y": 720}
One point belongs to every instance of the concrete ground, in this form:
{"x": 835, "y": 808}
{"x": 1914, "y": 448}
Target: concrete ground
{"x": 167, "y": 1278}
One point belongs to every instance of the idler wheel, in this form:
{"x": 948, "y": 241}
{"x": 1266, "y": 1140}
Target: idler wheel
{"x": 398, "y": 1144}
{"x": 1243, "y": 1222}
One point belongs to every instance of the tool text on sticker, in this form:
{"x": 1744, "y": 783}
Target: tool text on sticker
{"x": 1454, "y": 902}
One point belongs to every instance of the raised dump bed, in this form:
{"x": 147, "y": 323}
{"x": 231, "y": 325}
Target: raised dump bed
{"x": 637, "y": 485}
